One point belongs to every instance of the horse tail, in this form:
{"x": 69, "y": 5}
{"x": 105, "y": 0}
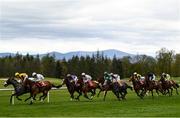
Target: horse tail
{"x": 58, "y": 86}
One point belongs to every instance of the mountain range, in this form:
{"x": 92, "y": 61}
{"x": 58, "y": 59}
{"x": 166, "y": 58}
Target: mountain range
{"x": 109, "y": 53}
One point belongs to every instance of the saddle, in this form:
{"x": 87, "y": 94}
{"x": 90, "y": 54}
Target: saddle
{"x": 40, "y": 84}
{"x": 141, "y": 82}
{"x": 90, "y": 83}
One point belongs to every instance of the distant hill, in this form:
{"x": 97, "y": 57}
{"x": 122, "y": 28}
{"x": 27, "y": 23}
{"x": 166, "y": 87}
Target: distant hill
{"x": 6, "y": 54}
{"x": 109, "y": 53}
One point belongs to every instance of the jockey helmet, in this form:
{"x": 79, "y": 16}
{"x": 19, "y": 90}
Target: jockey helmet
{"x": 16, "y": 74}
{"x": 83, "y": 74}
{"x": 68, "y": 75}
{"x": 138, "y": 75}
{"x": 105, "y": 73}
{"x": 135, "y": 73}
{"x": 33, "y": 74}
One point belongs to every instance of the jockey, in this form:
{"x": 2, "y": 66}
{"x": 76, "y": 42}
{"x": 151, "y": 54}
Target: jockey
{"x": 151, "y": 76}
{"x": 115, "y": 77}
{"x": 107, "y": 76}
{"x": 137, "y": 76}
{"x": 21, "y": 76}
{"x": 86, "y": 78}
{"x": 37, "y": 77}
{"x": 74, "y": 78}
{"x": 166, "y": 76}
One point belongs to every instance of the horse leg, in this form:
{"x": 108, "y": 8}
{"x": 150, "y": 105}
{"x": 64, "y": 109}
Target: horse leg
{"x": 157, "y": 92}
{"x": 80, "y": 93}
{"x": 32, "y": 95}
{"x": 177, "y": 92}
{"x": 152, "y": 93}
{"x": 85, "y": 95}
{"x": 72, "y": 95}
{"x": 45, "y": 95}
{"x": 171, "y": 91}
{"x": 105, "y": 92}
{"x": 93, "y": 93}
{"x": 99, "y": 92}
{"x": 41, "y": 97}
{"x": 18, "y": 98}
{"x": 27, "y": 98}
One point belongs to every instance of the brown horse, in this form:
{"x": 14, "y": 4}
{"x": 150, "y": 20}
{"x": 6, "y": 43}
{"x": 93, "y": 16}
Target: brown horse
{"x": 90, "y": 86}
{"x": 152, "y": 84}
{"x": 169, "y": 85}
{"x": 139, "y": 86}
{"x": 18, "y": 88}
{"x": 72, "y": 88}
{"x": 38, "y": 87}
{"x": 166, "y": 85}
{"x": 119, "y": 87}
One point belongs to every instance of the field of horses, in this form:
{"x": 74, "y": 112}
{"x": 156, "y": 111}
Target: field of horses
{"x": 61, "y": 106}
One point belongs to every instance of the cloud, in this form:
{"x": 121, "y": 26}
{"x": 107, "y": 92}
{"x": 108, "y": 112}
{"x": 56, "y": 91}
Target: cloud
{"x": 143, "y": 26}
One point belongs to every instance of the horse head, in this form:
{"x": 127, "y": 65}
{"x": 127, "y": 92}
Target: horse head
{"x": 9, "y": 81}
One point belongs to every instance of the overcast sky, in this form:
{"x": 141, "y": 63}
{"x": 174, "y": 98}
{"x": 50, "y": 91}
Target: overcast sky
{"x": 133, "y": 26}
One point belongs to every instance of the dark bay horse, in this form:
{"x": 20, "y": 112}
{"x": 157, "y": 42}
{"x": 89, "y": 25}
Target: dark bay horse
{"x": 90, "y": 86}
{"x": 38, "y": 87}
{"x": 139, "y": 86}
{"x": 122, "y": 87}
{"x": 72, "y": 88}
{"x": 168, "y": 85}
{"x": 153, "y": 85}
{"x": 19, "y": 88}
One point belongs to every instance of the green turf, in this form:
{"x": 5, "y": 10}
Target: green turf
{"x": 60, "y": 105}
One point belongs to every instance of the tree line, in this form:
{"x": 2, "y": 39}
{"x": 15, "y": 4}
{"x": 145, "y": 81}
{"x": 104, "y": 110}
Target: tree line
{"x": 165, "y": 61}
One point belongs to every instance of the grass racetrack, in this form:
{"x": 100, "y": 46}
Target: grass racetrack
{"x": 61, "y": 106}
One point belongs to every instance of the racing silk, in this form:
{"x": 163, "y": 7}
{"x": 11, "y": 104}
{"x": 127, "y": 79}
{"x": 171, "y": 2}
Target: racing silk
{"x": 32, "y": 79}
{"x": 107, "y": 77}
{"x": 116, "y": 76}
{"x": 87, "y": 78}
{"x": 167, "y": 77}
{"x": 151, "y": 76}
{"x": 22, "y": 76}
{"x": 74, "y": 78}
{"x": 39, "y": 77}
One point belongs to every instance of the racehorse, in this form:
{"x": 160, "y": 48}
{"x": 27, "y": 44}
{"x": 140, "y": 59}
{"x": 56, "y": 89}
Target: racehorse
{"x": 168, "y": 84}
{"x": 152, "y": 84}
{"x": 72, "y": 87}
{"x": 38, "y": 87}
{"x": 139, "y": 86}
{"x": 90, "y": 86}
{"x": 122, "y": 87}
{"x": 19, "y": 88}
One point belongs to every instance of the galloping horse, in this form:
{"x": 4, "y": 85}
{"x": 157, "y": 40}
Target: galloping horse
{"x": 139, "y": 86}
{"x": 72, "y": 87}
{"x": 110, "y": 86}
{"x": 152, "y": 84}
{"x": 168, "y": 84}
{"x": 90, "y": 86}
{"x": 38, "y": 87}
{"x": 18, "y": 87}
